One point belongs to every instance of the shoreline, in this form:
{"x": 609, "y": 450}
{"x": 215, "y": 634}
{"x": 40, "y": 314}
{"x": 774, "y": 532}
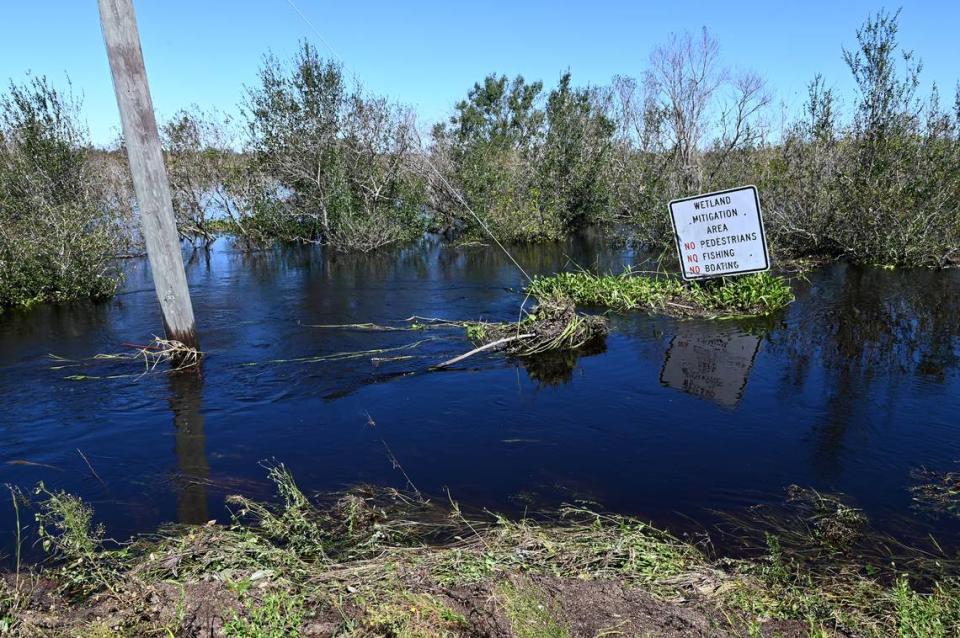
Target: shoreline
{"x": 378, "y": 562}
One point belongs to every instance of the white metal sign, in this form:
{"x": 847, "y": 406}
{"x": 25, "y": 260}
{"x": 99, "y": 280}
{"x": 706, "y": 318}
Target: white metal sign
{"x": 720, "y": 233}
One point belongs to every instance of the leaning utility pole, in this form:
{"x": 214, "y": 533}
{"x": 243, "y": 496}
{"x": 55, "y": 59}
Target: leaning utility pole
{"x": 140, "y": 134}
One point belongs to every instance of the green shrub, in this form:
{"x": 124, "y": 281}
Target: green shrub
{"x": 529, "y": 171}
{"x": 881, "y": 189}
{"x": 336, "y": 165}
{"x": 58, "y": 235}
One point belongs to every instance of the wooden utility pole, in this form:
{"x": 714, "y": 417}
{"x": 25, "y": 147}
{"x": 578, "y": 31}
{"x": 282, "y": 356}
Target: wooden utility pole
{"x": 142, "y": 139}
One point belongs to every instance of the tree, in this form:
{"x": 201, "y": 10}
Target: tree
{"x": 897, "y": 201}
{"x": 530, "y": 171}
{"x": 342, "y": 163}
{"x": 683, "y": 79}
{"x": 58, "y": 235}
{"x": 576, "y": 149}
{"x": 203, "y": 166}
{"x": 488, "y": 152}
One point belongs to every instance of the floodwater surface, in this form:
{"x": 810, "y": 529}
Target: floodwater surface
{"x": 849, "y": 390}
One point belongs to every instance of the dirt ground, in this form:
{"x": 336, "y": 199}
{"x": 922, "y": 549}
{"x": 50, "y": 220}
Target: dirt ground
{"x": 587, "y": 609}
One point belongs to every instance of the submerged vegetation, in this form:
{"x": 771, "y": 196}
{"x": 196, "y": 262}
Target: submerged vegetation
{"x": 937, "y": 493}
{"x": 758, "y": 294}
{"x": 380, "y": 563}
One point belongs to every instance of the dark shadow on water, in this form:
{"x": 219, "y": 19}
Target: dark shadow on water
{"x": 186, "y": 403}
{"x": 874, "y": 333}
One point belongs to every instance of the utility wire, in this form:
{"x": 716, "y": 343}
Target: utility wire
{"x": 453, "y": 191}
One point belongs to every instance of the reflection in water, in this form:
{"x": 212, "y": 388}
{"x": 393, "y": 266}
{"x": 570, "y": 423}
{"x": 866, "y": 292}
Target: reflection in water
{"x": 186, "y": 402}
{"x": 879, "y": 336}
{"x": 556, "y": 367}
{"x": 709, "y": 364}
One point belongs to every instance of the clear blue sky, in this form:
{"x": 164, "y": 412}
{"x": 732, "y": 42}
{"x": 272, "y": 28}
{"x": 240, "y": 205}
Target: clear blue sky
{"x": 428, "y": 54}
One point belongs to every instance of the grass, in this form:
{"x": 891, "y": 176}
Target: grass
{"x": 276, "y": 615}
{"x": 378, "y": 563}
{"x": 530, "y": 612}
{"x": 749, "y": 295}
{"x": 408, "y": 615}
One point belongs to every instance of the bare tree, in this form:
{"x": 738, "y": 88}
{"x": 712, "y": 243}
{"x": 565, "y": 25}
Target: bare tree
{"x": 201, "y": 162}
{"x": 684, "y": 76}
{"x": 740, "y": 126}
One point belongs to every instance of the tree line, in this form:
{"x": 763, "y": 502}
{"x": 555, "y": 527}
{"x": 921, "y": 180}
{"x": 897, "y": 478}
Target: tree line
{"x": 314, "y": 157}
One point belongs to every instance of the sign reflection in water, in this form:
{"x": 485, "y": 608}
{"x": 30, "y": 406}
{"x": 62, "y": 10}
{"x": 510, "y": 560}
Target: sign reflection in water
{"x": 708, "y": 364}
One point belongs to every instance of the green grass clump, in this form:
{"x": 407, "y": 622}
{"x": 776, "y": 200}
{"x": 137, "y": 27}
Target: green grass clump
{"x": 758, "y": 294}
{"x": 935, "y": 615}
{"x": 477, "y": 332}
{"x": 839, "y": 597}
{"x": 408, "y": 615}
{"x": 67, "y": 532}
{"x": 530, "y": 612}
{"x": 278, "y": 615}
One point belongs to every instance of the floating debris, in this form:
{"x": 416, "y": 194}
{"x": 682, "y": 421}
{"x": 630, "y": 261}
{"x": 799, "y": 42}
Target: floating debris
{"x": 372, "y": 354}
{"x": 936, "y": 492}
{"x": 554, "y": 325}
{"x": 179, "y": 355}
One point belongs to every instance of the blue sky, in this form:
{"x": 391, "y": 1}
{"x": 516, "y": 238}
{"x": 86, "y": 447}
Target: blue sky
{"x": 428, "y": 54}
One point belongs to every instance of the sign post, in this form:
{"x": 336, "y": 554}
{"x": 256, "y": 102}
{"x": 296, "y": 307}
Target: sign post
{"x": 720, "y": 234}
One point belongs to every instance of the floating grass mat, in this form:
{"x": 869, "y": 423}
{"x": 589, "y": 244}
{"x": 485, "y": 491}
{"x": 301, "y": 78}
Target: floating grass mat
{"x": 749, "y": 295}
{"x": 178, "y": 355}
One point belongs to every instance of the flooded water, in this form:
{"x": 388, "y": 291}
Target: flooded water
{"x": 851, "y": 388}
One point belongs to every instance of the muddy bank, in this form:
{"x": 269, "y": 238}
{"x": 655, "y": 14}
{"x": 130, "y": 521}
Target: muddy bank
{"x": 552, "y": 607}
{"x": 383, "y": 563}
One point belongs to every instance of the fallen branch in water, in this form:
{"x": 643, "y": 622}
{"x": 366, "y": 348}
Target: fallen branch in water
{"x": 92, "y": 471}
{"x": 490, "y": 346}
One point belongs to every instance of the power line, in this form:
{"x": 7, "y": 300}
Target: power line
{"x": 453, "y": 191}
